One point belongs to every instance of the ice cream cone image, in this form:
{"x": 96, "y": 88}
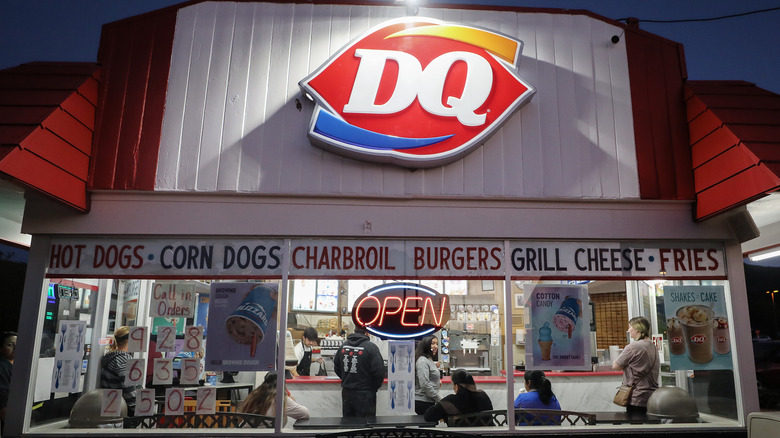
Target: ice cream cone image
{"x": 545, "y": 340}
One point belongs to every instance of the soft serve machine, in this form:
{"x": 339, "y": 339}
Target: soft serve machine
{"x": 473, "y": 321}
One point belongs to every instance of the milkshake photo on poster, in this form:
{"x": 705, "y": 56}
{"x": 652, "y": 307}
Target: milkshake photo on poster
{"x": 558, "y": 336}
{"x": 242, "y": 327}
{"x": 697, "y": 328}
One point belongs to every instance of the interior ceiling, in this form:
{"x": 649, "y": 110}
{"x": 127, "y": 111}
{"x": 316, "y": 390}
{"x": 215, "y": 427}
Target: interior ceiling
{"x": 765, "y": 211}
{"x": 766, "y": 215}
{"x": 12, "y": 201}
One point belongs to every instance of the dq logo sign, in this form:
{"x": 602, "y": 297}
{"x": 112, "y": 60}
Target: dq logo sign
{"x": 415, "y": 92}
{"x": 698, "y": 339}
{"x": 401, "y": 311}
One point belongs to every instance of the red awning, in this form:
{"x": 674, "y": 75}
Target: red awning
{"x": 47, "y": 121}
{"x": 734, "y": 130}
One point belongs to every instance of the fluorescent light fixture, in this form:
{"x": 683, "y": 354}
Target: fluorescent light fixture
{"x": 765, "y": 254}
{"x": 412, "y": 6}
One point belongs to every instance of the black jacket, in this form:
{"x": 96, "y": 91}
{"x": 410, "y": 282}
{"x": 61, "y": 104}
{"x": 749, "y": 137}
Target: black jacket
{"x": 359, "y": 364}
{"x": 462, "y": 402}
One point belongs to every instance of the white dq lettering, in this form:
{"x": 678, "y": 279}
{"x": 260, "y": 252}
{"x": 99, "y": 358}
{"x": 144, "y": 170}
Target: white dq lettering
{"x": 426, "y": 85}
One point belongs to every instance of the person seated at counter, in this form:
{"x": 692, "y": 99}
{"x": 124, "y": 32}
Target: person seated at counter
{"x": 466, "y": 399}
{"x": 261, "y": 401}
{"x": 538, "y": 395}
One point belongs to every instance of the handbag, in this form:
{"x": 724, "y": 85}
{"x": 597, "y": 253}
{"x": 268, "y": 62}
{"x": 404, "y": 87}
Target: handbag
{"x": 322, "y": 371}
{"x": 624, "y": 392}
{"x": 623, "y": 395}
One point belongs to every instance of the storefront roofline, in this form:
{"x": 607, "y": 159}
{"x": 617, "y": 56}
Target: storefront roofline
{"x": 122, "y": 213}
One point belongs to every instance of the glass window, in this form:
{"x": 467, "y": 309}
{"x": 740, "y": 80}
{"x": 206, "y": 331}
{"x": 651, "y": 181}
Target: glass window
{"x": 82, "y": 316}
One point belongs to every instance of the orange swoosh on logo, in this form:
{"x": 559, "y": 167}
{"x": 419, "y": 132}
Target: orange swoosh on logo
{"x": 503, "y": 47}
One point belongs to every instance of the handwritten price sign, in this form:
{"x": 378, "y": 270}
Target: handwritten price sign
{"x": 207, "y": 401}
{"x": 134, "y": 373}
{"x": 166, "y": 338}
{"x": 193, "y": 338}
{"x": 163, "y": 371}
{"x": 174, "y": 401}
{"x": 144, "y": 403}
{"x": 190, "y": 371}
{"x": 111, "y": 404}
{"x": 138, "y": 339}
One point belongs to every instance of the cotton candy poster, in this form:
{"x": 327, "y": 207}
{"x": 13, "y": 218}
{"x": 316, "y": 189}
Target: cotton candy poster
{"x": 558, "y": 336}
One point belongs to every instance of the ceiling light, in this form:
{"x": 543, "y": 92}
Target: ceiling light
{"x": 765, "y": 254}
{"x": 412, "y": 6}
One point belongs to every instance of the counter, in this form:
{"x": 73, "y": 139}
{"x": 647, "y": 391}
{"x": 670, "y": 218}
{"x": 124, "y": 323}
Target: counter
{"x": 576, "y": 391}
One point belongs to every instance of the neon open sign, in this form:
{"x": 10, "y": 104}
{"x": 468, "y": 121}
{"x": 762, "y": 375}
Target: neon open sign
{"x": 401, "y": 311}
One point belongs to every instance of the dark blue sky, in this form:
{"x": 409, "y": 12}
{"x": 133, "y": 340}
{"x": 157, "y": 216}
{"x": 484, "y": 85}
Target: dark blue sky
{"x": 744, "y": 48}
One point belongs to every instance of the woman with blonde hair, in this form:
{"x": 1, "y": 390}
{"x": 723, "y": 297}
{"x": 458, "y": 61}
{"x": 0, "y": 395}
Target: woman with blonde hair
{"x": 640, "y": 365}
{"x": 114, "y": 367}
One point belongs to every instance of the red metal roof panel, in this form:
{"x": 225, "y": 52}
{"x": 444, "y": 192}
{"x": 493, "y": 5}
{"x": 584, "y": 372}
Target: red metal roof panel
{"x": 739, "y": 161}
{"x": 33, "y": 97}
{"x": 657, "y": 71}
{"x": 24, "y": 115}
{"x": 731, "y": 162}
{"x": 49, "y": 134}
{"x": 14, "y": 134}
{"x": 57, "y": 151}
{"x": 757, "y": 133}
{"x": 710, "y": 146}
{"x": 46, "y": 178}
{"x": 136, "y": 55}
{"x": 738, "y": 190}
{"x": 703, "y": 125}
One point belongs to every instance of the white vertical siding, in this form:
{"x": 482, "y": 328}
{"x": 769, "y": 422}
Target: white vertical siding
{"x": 231, "y": 122}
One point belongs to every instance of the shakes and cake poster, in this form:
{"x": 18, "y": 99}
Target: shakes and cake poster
{"x": 697, "y": 328}
{"x": 242, "y": 327}
{"x": 559, "y": 334}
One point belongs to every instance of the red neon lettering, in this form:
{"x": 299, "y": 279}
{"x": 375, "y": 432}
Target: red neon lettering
{"x": 429, "y": 302}
{"x": 384, "y": 308}
{"x": 413, "y": 310}
{"x": 378, "y": 311}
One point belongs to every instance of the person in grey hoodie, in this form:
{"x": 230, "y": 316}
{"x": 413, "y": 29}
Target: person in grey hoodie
{"x": 361, "y": 368}
{"x": 428, "y": 378}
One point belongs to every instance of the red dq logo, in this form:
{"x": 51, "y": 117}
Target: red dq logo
{"x": 698, "y": 339}
{"x": 415, "y": 92}
{"x": 677, "y": 340}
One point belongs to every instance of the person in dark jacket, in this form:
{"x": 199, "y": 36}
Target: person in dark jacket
{"x": 114, "y": 367}
{"x": 361, "y": 368}
{"x": 467, "y": 399}
{"x": 7, "y": 354}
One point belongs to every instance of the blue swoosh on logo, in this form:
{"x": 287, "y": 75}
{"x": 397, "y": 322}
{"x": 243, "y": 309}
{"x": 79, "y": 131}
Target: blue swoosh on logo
{"x": 330, "y": 126}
